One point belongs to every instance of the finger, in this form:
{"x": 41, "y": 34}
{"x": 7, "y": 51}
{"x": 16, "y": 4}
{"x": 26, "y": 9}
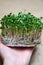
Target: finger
{"x": 19, "y": 57}
{"x": 23, "y": 55}
{"x": 4, "y": 50}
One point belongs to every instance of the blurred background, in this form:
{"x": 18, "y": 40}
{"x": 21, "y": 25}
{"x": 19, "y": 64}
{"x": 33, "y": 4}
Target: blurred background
{"x": 33, "y": 6}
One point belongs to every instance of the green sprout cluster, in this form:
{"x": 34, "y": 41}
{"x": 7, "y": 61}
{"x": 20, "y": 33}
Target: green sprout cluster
{"x": 23, "y": 24}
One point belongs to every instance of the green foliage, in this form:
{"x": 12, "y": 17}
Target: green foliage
{"x": 21, "y": 22}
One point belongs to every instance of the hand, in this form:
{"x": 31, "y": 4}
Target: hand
{"x": 15, "y": 56}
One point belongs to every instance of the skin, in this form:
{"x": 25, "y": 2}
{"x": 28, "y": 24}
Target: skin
{"x": 15, "y": 56}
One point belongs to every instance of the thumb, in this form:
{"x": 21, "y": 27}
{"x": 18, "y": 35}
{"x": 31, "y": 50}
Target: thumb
{"x": 2, "y": 47}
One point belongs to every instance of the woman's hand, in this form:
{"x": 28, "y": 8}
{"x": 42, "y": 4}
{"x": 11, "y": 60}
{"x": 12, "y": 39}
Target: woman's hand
{"x": 15, "y": 56}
